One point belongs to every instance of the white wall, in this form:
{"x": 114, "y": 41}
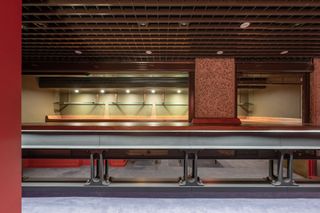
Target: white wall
{"x": 36, "y": 103}
{"x": 276, "y": 101}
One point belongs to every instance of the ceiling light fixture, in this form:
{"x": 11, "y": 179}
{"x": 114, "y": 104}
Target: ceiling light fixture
{"x": 128, "y": 91}
{"x": 79, "y": 52}
{"x": 184, "y": 24}
{"x": 102, "y": 91}
{"x": 220, "y": 52}
{"x": 179, "y": 91}
{"x": 284, "y": 52}
{"x": 149, "y": 52}
{"x": 76, "y": 91}
{"x": 153, "y": 91}
{"x": 143, "y": 24}
{"x": 245, "y": 25}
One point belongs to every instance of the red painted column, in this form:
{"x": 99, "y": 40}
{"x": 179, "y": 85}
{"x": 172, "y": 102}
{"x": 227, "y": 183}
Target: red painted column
{"x": 315, "y": 93}
{"x": 10, "y": 136}
{"x": 215, "y": 91}
{"x": 314, "y": 107}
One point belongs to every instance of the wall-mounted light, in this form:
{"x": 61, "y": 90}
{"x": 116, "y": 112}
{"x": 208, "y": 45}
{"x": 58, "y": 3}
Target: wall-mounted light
{"x": 153, "y": 91}
{"x": 76, "y": 91}
{"x": 128, "y": 91}
{"x": 245, "y": 25}
{"x": 102, "y": 91}
{"x": 179, "y": 91}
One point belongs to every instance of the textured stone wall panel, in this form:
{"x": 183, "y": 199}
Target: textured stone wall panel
{"x": 215, "y": 88}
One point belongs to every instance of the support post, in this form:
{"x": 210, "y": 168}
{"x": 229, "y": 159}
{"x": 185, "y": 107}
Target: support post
{"x": 97, "y": 170}
{"x": 193, "y": 178}
{"x": 272, "y": 176}
{"x": 280, "y": 180}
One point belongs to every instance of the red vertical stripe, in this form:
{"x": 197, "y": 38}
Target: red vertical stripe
{"x": 10, "y": 88}
{"x": 312, "y": 168}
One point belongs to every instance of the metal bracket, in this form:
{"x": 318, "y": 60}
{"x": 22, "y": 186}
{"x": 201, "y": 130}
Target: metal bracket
{"x": 193, "y": 178}
{"x": 279, "y": 179}
{"x": 98, "y": 171}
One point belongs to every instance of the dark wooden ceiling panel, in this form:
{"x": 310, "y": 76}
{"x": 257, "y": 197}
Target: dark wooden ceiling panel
{"x": 122, "y": 31}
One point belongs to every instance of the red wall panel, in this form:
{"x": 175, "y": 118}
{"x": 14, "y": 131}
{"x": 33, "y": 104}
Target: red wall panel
{"x": 10, "y": 89}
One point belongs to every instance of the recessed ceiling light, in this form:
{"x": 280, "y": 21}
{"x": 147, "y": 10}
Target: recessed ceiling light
{"x": 78, "y": 52}
{"x": 102, "y": 91}
{"x": 143, "y": 24}
{"x": 153, "y": 91}
{"x": 220, "y": 52}
{"x": 179, "y": 91}
{"x": 284, "y": 52}
{"x": 128, "y": 91}
{"x": 184, "y": 24}
{"x": 76, "y": 91}
{"x": 245, "y": 25}
{"x": 149, "y": 52}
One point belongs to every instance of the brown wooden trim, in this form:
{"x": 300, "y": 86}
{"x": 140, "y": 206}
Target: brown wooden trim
{"x": 162, "y": 126}
{"x": 306, "y": 98}
{"x": 143, "y": 3}
{"x": 191, "y": 95}
{"x": 235, "y": 90}
{"x": 219, "y": 121}
{"x": 281, "y": 67}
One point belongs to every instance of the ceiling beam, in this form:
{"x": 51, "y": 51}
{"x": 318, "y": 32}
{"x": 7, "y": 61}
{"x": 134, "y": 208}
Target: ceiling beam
{"x": 176, "y": 33}
{"x": 143, "y": 47}
{"x": 157, "y": 3}
{"x": 172, "y": 56}
{"x": 173, "y": 38}
{"x": 187, "y": 12}
{"x": 166, "y": 41}
{"x": 226, "y": 19}
{"x": 86, "y": 68}
{"x": 141, "y": 50}
{"x": 263, "y": 67}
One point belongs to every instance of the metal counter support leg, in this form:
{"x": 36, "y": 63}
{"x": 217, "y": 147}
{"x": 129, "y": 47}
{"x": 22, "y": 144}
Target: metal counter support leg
{"x": 106, "y": 172}
{"x": 288, "y": 180}
{"x": 272, "y": 176}
{"x": 96, "y": 170}
{"x": 193, "y": 179}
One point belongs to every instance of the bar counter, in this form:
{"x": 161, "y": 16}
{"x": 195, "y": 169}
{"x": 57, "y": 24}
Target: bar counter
{"x": 163, "y": 126}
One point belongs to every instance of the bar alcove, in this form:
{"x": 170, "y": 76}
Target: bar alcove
{"x": 184, "y": 93}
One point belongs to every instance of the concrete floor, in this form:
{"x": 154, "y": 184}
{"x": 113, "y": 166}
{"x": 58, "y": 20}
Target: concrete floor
{"x": 228, "y": 169}
{"x": 148, "y": 205}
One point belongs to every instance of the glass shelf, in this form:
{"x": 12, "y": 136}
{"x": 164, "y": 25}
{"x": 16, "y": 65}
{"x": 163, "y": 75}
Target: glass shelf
{"x": 79, "y": 103}
{"x": 137, "y": 103}
{"x": 171, "y": 104}
{"x": 63, "y": 105}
